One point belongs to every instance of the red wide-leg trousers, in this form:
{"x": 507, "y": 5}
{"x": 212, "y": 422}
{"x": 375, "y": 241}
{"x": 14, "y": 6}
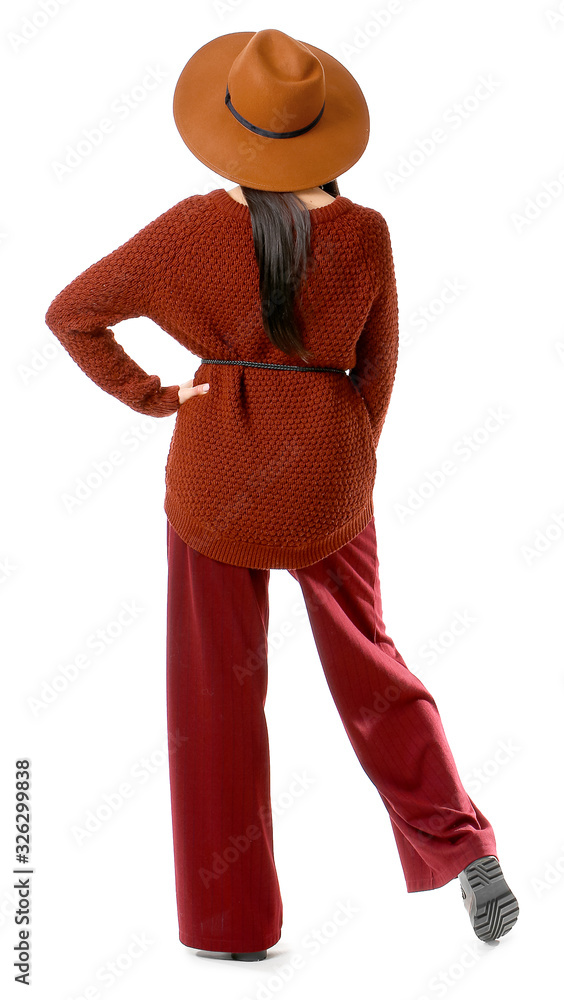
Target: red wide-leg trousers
{"x": 227, "y": 889}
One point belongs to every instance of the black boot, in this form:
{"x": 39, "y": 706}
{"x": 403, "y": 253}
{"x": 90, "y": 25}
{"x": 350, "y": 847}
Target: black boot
{"x": 492, "y": 907}
{"x": 248, "y": 956}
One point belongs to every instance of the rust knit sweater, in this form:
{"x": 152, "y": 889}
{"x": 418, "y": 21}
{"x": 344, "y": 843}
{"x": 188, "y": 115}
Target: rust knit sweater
{"x": 270, "y": 468}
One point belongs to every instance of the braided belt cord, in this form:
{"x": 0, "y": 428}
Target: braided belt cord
{"x": 265, "y": 364}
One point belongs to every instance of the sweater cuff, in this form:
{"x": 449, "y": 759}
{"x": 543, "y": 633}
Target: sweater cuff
{"x": 166, "y": 401}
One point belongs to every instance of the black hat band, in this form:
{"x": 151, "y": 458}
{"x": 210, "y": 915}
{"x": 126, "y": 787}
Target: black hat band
{"x": 264, "y": 131}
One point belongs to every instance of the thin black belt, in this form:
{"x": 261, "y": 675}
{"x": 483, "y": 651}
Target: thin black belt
{"x": 258, "y": 364}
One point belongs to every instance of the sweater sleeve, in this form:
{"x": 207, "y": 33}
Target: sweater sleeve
{"x": 119, "y": 286}
{"x": 377, "y": 347}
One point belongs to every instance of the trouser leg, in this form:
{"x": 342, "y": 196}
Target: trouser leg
{"x": 227, "y": 888}
{"x": 391, "y": 719}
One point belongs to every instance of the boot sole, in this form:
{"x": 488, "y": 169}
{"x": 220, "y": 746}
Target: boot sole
{"x": 248, "y": 956}
{"x": 492, "y": 907}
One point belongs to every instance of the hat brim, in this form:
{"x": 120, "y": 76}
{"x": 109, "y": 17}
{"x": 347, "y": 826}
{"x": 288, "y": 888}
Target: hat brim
{"x": 216, "y": 138}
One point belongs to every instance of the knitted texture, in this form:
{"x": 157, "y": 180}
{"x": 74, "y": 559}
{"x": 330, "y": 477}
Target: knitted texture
{"x": 269, "y": 468}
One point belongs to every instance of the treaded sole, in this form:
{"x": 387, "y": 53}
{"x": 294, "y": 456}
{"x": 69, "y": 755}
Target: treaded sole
{"x": 492, "y": 907}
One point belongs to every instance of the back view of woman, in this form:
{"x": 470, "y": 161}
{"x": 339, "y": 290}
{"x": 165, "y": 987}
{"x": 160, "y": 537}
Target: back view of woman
{"x": 285, "y": 289}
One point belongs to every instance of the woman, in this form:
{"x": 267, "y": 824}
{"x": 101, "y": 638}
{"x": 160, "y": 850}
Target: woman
{"x": 286, "y": 290}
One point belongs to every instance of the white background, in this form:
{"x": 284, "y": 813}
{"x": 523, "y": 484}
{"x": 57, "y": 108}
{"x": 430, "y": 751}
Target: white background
{"x": 485, "y": 543}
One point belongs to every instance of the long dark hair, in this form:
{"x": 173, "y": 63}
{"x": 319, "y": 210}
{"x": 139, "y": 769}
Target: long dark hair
{"x": 281, "y": 236}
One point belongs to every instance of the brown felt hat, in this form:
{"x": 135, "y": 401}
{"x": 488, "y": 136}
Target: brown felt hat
{"x": 270, "y": 112}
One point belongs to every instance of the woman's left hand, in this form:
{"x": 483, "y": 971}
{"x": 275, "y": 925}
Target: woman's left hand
{"x": 188, "y": 389}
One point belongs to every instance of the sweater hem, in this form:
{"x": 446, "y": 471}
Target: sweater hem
{"x": 252, "y": 554}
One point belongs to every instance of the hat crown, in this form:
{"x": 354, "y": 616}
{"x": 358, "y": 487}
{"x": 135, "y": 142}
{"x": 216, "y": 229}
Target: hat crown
{"x": 276, "y": 82}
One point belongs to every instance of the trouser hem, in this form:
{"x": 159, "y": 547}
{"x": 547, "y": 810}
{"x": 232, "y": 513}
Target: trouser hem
{"x": 226, "y": 945}
{"x": 437, "y": 881}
